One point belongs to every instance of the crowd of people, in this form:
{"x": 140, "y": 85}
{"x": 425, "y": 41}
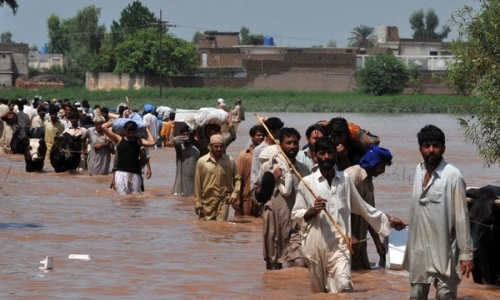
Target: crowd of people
{"x": 317, "y": 203}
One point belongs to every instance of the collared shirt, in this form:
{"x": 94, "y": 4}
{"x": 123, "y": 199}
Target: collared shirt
{"x": 342, "y": 199}
{"x": 304, "y": 157}
{"x": 439, "y": 233}
{"x": 215, "y": 180}
{"x": 37, "y": 122}
{"x": 52, "y": 130}
{"x": 79, "y": 131}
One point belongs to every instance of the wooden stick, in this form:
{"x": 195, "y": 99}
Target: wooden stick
{"x": 345, "y": 237}
{"x": 5, "y": 179}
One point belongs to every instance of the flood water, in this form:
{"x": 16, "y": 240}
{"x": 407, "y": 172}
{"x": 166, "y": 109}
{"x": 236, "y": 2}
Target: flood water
{"x": 152, "y": 246}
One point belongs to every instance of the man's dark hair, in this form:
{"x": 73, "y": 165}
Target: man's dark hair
{"x": 315, "y": 127}
{"x": 274, "y": 123}
{"x": 323, "y": 143}
{"x": 171, "y": 116}
{"x": 85, "y": 103}
{"x": 257, "y": 128}
{"x": 104, "y": 110}
{"x": 41, "y": 108}
{"x": 74, "y": 115}
{"x": 288, "y": 132}
{"x": 430, "y": 133}
{"x": 130, "y": 126}
{"x": 53, "y": 109}
{"x": 338, "y": 125}
{"x": 121, "y": 110}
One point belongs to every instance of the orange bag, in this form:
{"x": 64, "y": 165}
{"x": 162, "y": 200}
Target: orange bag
{"x": 362, "y": 138}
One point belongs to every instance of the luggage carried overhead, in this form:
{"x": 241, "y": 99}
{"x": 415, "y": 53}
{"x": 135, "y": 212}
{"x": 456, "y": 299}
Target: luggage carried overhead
{"x": 362, "y": 138}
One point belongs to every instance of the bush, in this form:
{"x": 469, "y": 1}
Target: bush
{"x": 383, "y": 74}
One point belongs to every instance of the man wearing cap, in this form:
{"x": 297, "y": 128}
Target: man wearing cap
{"x": 371, "y": 165}
{"x": 221, "y": 104}
{"x": 217, "y": 183}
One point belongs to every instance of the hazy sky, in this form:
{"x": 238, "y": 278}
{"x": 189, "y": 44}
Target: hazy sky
{"x": 291, "y": 23}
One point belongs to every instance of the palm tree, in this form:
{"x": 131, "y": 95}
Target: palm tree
{"x": 362, "y": 37}
{"x": 11, "y": 3}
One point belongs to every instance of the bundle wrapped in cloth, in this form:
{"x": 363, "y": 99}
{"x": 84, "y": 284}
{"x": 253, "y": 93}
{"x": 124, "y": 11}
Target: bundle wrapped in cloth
{"x": 119, "y": 124}
{"x": 205, "y": 116}
{"x": 271, "y": 158}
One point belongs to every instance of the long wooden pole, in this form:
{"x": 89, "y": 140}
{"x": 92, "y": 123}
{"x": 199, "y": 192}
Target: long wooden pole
{"x": 345, "y": 237}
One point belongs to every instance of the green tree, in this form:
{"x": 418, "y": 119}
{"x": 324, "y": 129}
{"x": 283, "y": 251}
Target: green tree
{"x": 134, "y": 17}
{"x": 34, "y": 48}
{"x": 424, "y": 25}
{"x": 6, "y": 37}
{"x": 11, "y": 3}
{"x": 139, "y": 53}
{"x": 362, "y": 37}
{"x": 105, "y": 59}
{"x": 198, "y": 35}
{"x": 250, "y": 39}
{"x": 383, "y": 74}
{"x": 475, "y": 70}
{"x": 78, "y": 38}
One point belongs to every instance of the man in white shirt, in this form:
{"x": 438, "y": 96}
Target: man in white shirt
{"x": 324, "y": 248}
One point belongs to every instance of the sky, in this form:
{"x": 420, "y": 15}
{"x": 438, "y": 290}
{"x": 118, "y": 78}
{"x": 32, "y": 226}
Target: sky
{"x": 291, "y": 23}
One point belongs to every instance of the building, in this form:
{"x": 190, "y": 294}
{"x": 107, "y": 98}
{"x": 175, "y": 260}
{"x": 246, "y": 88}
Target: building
{"x": 13, "y": 63}
{"x": 45, "y": 61}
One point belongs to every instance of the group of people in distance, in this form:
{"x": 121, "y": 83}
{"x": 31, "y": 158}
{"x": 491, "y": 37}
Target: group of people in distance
{"x": 317, "y": 203}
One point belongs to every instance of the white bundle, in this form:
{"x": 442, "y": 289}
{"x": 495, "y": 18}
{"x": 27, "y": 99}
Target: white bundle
{"x": 271, "y": 158}
{"x": 210, "y": 115}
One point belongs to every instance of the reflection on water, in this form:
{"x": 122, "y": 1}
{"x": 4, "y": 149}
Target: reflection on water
{"x": 153, "y": 246}
{"x": 19, "y": 226}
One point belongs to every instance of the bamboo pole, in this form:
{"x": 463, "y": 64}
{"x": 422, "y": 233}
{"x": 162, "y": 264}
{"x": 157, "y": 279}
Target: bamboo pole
{"x": 345, "y": 237}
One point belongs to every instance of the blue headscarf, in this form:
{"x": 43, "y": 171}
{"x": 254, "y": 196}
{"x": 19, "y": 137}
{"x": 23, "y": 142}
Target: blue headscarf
{"x": 149, "y": 108}
{"x": 375, "y": 156}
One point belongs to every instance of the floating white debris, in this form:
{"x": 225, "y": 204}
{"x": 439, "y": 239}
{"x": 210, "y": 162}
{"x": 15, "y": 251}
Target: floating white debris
{"x": 48, "y": 263}
{"x": 79, "y": 256}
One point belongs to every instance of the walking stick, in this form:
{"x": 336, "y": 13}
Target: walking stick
{"x": 5, "y": 179}
{"x": 345, "y": 237}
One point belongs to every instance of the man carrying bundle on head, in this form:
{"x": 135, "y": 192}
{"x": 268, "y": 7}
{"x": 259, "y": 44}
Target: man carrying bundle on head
{"x": 128, "y": 179}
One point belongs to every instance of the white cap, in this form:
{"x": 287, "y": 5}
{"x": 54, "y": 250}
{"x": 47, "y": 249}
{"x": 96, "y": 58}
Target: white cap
{"x": 221, "y": 101}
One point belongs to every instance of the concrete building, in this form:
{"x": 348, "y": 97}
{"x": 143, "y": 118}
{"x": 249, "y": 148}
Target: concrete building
{"x": 46, "y": 61}
{"x": 13, "y": 63}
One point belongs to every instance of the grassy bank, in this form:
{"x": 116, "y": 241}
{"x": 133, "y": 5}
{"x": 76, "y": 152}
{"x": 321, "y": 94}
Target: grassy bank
{"x": 261, "y": 100}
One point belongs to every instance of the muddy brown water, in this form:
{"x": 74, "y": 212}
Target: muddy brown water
{"x": 152, "y": 246}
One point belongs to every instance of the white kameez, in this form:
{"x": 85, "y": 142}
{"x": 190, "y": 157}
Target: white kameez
{"x": 325, "y": 251}
{"x": 439, "y": 232}
{"x": 127, "y": 183}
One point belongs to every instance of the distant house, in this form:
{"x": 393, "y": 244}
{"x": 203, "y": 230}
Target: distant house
{"x": 45, "y": 61}
{"x": 13, "y": 63}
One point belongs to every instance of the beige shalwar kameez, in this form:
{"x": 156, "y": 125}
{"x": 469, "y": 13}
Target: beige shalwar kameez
{"x": 216, "y": 182}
